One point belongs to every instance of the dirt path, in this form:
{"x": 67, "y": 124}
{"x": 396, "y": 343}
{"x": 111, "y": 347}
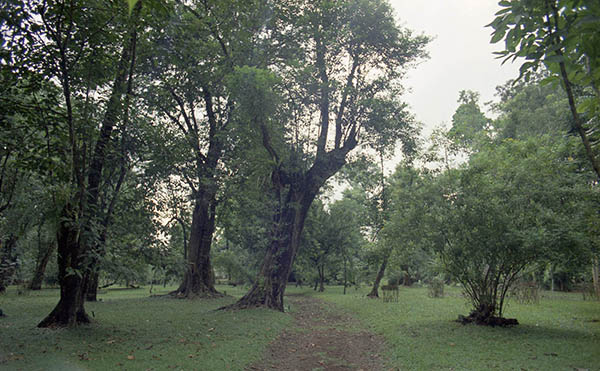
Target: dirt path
{"x": 318, "y": 342}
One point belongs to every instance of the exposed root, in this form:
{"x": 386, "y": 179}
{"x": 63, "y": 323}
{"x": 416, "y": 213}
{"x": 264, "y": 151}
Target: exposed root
{"x": 478, "y": 319}
{"x": 177, "y": 294}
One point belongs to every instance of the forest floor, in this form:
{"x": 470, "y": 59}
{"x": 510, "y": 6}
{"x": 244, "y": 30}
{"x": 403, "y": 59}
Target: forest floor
{"x": 323, "y": 337}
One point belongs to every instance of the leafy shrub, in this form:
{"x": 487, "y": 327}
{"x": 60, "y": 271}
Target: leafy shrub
{"x": 526, "y": 292}
{"x": 436, "y": 288}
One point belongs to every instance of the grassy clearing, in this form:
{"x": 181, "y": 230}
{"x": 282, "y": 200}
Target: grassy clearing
{"x": 560, "y": 333}
{"x": 133, "y": 331}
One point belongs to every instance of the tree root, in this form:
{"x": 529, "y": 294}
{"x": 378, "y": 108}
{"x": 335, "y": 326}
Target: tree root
{"x": 478, "y": 319}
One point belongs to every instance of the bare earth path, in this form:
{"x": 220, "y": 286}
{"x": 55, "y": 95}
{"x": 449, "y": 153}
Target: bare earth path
{"x": 319, "y": 341}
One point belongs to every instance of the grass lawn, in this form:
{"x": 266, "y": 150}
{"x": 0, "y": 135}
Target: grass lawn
{"x": 562, "y": 332}
{"x": 133, "y": 331}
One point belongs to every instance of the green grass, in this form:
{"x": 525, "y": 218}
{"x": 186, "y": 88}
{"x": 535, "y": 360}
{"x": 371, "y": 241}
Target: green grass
{"x": 556, "y": 334}
{"x": 133, "y": 331}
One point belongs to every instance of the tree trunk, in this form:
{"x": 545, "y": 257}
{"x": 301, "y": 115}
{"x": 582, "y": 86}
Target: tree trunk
{"x": 269, "y": 288}
{"x": 199, "y": 280}
{"x": 322, "y": 278}
{"x": 40, "y": 270}
{"x": 375, "y": 290}
{"x": 75, "y": 242}
{"x": 7, "y": 261}
{"x": 122, "y": 86}
{"x": 595, "y": 276}
{"x": 91, "y": 293}
{"x": 345, "y": 276}
{"x": 70, "y": 309}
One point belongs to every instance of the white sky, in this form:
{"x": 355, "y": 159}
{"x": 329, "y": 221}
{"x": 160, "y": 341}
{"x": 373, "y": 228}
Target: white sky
{"x": 460, "y": 56}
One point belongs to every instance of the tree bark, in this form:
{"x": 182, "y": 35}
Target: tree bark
{"x": 71, "y": 263}
{"x": 375, "y": 290}
{"x": 595, "y": 276}
{"x": 76, "y": 242}
{"x": 122, "y": 86}
{"x": 40, "y": 270}
{"x": 322, "y": 278}
{"x": 7, "y": 262}
{"x": 269, "y": 288}
{"x": 199, "y": 280}
{"x": 345, "y": 276}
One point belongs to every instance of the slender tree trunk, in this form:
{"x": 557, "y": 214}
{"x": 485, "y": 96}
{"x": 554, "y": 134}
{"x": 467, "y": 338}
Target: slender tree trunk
{"x": 552, "y": 277}
{"x": 595, "y": 276}
{"x": 40, "y": 270}
{"x": 322, "y": 278}
{"x": 7, "y": 261}
{"x": 199, "y": 280}
{"x": 122, "y": 86}
{"x": 345, "y": 276}
{"x": 380, "y": 273}
{"x": 576, "y": 123}
{"x": 70, "y": 309}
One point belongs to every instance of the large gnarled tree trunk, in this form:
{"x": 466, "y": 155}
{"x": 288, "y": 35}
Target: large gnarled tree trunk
{"x": 349, "y": 89}
{"x": 269, "y": 288}
{"x": 295, "y": 193}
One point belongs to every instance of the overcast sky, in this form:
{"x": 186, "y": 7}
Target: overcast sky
{"x": 460, "y": 55}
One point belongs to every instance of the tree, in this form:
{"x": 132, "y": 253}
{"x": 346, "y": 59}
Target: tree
{"x": 345, "y": 65}
{"x": 468, "y": 122}
{"x": 190, "y": 67}
{"x": 505, "y": 211}
{"x": 64, "y": 42}
{"x": 562, "y": 35}
{"x": 329, "y": 238}
{"x": 531, "y": 108}
{"x": 410, "y": 189}
{"x": 368, "y": 189}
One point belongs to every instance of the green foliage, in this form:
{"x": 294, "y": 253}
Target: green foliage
{"x": 330, "y": 243}
{"x": 468, "y": 122}
{"x": 531, "y": 108}
{"x": 436, "y": 288}
{"x": 563, "y": 36}
{"x": 515, "y": 204}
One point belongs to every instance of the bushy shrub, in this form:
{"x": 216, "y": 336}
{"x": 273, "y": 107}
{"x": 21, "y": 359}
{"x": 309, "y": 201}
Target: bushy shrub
{"x": 526, "y": 292}
{"x": 436, "y": 288}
